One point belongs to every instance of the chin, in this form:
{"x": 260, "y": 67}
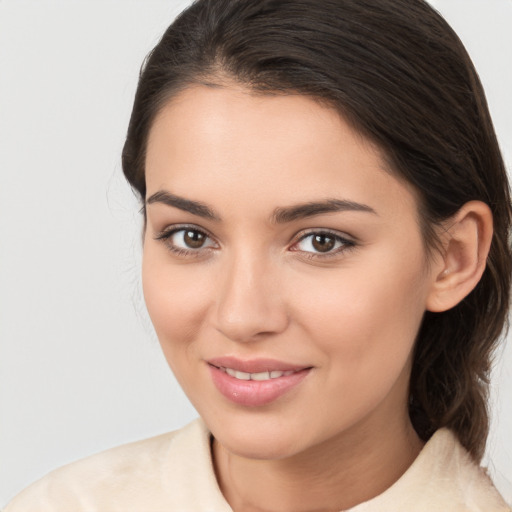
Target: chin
{"x": 263, "y": 447}
{"x": 254, "y": 436}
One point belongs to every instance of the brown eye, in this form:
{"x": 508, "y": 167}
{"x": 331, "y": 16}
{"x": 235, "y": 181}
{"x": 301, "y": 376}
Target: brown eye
{"x": 194, "y": 239}
{"x": 323, "y": 242}
{"x": 186, "y": 240}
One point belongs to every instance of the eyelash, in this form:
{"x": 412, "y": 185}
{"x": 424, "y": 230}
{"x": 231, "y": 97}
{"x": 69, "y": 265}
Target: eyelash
{"x": 166, "y": 235}
{"x": 346, "y": 244}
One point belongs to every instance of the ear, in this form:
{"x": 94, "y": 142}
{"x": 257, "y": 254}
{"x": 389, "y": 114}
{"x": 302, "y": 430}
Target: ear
{"x": 466, "y": 241}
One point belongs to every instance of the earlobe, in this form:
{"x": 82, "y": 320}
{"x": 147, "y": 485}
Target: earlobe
{"x": 465, "y": 245}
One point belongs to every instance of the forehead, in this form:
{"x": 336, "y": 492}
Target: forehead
{"x": 226, "y": 143}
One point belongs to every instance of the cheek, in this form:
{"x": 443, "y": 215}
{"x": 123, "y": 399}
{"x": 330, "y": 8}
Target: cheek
{"x": 365, "y": 319}
{"x": 176, "y": 299}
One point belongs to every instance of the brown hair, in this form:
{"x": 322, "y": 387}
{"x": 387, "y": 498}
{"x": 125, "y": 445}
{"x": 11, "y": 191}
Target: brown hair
{"x": 400, "y": 75}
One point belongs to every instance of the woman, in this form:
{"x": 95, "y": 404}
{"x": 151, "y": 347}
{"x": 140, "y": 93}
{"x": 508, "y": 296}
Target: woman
{"x": 326, "y": 264}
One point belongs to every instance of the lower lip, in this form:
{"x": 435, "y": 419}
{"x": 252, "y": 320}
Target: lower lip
{"x": 253, "y": 393}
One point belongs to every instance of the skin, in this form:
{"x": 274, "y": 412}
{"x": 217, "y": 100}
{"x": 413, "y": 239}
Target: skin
{"x": 258, "y": 288}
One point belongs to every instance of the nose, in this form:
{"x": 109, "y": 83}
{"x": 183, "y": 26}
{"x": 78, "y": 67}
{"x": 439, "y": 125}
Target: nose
{"x": 249, "y": 304}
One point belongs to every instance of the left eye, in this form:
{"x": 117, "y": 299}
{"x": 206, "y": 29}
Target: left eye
{"x": 321, "y": 243}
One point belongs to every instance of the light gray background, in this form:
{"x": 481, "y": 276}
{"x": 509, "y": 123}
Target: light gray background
{"x": 80, "y": 368}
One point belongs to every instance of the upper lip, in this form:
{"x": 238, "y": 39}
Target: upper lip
{"x": 254, "y": 365}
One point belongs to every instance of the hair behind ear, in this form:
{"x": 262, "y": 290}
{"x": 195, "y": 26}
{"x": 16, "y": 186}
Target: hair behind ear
{"x": 450, "y": 375}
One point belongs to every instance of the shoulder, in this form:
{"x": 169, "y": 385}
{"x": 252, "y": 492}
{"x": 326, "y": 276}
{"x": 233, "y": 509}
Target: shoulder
{"x": 150, "y": 475}
{"x": 443, "y": 477}
{"x": 457, "y": 477}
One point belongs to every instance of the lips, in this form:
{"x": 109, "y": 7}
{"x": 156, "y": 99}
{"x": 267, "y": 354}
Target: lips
{"x": 254, "y": 365}
{"x": 256, "y": 382}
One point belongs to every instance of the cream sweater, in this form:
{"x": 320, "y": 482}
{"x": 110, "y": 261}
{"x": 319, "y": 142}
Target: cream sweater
{"x": 174, "y": 473}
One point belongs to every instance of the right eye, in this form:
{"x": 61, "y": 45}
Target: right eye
{"x": 186, "y": 240}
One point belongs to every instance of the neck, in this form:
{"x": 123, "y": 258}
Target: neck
{"x": 336, "y": 475}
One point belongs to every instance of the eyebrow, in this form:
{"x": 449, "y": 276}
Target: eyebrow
{"x": 301, "y": 211}
{"x": 280, "y": 215}
{"x": 195, "y": 207}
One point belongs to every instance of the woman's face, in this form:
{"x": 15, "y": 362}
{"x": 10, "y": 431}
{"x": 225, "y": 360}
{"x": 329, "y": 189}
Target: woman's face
{"x": 276, "y": 242}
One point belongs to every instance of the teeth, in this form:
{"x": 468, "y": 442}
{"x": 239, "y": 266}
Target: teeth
{"x": 256, "y": 376}
{"x": 260, "y": 376}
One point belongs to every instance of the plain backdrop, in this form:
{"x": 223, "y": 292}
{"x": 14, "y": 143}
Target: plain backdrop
{"x": 80, "y": 367}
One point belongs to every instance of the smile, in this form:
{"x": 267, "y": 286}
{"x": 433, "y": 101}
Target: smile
{"x": 255, "y": 383}
{"x": 275, "y": 374}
